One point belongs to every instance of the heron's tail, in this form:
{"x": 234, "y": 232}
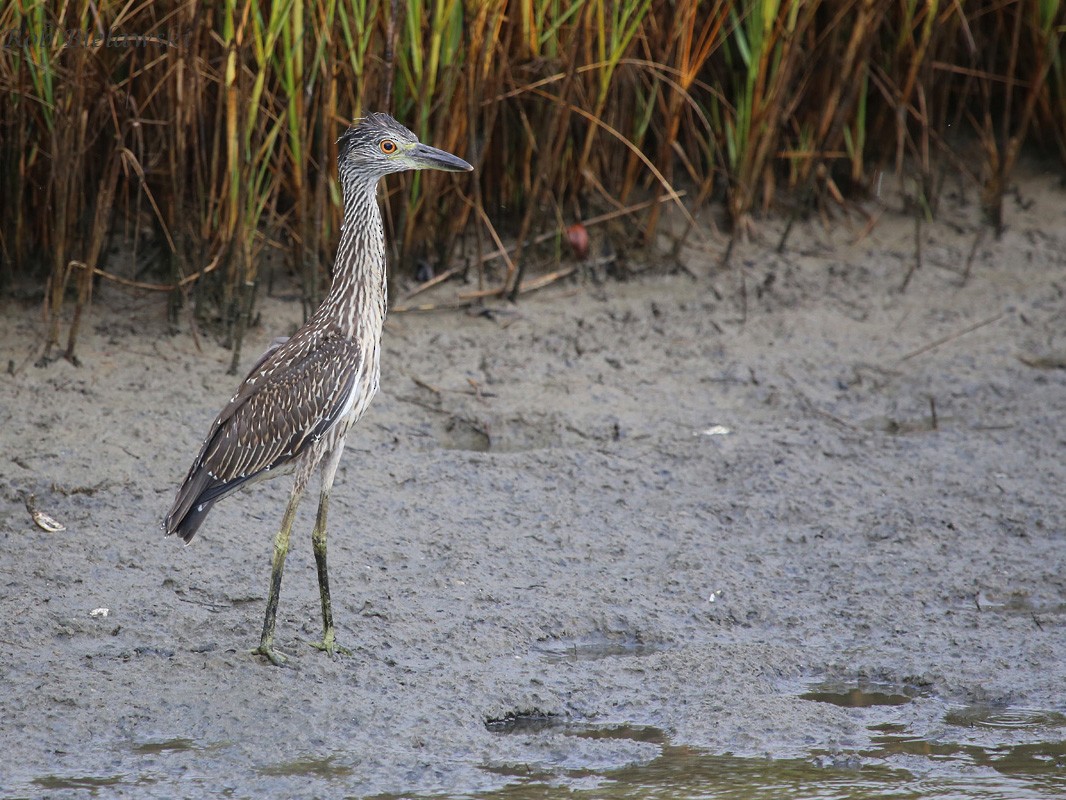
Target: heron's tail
{"x": 198, "y": 493}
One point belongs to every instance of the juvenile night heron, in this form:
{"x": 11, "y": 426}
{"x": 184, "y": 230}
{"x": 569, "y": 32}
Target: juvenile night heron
{"x": 301, "y": 398}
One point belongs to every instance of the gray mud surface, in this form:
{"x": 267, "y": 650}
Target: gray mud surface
{"x": 674, "y": 505}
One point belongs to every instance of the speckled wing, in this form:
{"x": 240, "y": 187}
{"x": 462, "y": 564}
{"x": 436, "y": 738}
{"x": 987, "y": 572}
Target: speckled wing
{"x": 291, "y": 398}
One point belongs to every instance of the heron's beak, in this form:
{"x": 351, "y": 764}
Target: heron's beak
{"x": 425, "y": 157}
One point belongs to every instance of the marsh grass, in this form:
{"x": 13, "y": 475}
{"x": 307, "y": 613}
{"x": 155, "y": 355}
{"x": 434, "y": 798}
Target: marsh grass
{"x": 203, "y": 134}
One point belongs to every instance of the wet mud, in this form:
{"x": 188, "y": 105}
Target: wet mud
{"x": 781, "y": 528}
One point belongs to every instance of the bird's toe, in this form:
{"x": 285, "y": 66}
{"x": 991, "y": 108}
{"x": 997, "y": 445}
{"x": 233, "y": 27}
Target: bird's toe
{"x": 330, "y": 647}
{"x": 272, "y": 655}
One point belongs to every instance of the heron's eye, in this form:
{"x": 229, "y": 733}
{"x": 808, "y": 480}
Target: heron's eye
{"x": 388, "y": 146}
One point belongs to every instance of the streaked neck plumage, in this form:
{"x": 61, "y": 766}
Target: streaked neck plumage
{"x": 358, "y": 295}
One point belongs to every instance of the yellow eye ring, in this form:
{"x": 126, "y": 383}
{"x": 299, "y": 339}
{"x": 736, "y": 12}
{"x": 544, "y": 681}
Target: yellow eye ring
{"x": 388, "y": 146}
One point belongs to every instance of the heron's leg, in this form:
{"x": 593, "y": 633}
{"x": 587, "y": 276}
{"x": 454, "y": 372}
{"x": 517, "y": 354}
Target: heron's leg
{"x": 318, "y": 541}
{"x": 281, "y": 549}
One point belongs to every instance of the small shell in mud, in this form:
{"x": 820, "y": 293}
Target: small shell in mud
{"x": 45, "y": 522}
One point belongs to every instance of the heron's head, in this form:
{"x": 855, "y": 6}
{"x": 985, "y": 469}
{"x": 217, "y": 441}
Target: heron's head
{"x": 377, "y": 145}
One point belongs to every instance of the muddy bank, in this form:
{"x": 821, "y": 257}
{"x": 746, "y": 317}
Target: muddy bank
{"x": 673, "y": 505}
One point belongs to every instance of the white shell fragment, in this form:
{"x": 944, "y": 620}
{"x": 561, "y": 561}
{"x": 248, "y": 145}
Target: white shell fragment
{"x": 99, "y": 612}
{"x": 716, "y": 430}
{"x": 46, "y": 522}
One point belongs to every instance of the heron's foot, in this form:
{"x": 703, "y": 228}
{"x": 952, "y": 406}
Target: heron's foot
{"x": 273, "y": 656}
{"x": 330, "y": 646}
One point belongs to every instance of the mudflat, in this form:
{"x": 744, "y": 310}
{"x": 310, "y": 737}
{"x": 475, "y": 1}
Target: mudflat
{"x": 683, "y": 516}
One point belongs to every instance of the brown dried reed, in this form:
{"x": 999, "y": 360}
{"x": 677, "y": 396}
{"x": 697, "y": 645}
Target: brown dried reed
{"x": 200, "y": 133}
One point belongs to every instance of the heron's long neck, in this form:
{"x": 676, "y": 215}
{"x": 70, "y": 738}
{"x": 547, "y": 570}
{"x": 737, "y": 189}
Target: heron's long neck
{"x": 357, "y": 298}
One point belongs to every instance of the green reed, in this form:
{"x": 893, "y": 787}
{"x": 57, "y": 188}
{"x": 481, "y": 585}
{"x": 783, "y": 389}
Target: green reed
{"x": 214, "y": 135}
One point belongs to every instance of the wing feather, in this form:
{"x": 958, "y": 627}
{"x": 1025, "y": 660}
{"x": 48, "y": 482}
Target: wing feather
{"x": 293, "y": 396}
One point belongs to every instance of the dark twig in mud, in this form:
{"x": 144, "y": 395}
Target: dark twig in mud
{"x": 1049, "y": 361}
{"x": 545, "y": 280}
{"x": 216, "y": 607}
{"x": 727, "y": 254}
{"x": 871, "y": 223}
{"x": 475, "y": 389}
{"x": 148, "y": 287}
{"x": 447, "y": 305}
{"x": 950, "y": 337}
{"x": 422, "y": 404}
{"x": 812, "y": 406}
{"x": 933, "y": 422}
{"x": 503, "y": 252}
{"x": 67, "y": 491}
{"x": 469, "y": 299}
{"x": 917, "y": 265}
{"x": 436, "y": 279}
{"x": 980, "y": 237}
{"x": 427, "y": 386}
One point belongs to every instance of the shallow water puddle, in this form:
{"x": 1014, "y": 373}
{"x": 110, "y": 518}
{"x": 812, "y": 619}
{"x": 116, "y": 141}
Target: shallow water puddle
{"x": 593, "y": 648}
{"x": 862, "y": 695}
{"x": 679, "y": 773}
{"x": 897, "y": 764}
{"x": 310, "y": 766}
{"x": 1034, "y": 760}
{"x": 179, "y": 744}
{"x": 92, "y": 783}
{"x": 1011, "y": 718}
